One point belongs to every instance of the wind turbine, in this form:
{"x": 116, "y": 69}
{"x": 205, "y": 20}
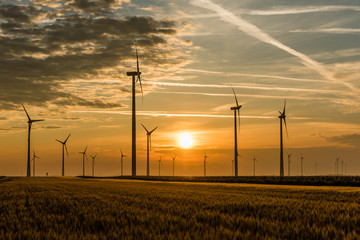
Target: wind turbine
{"x": 337, "y": 165}
{"x": 236, "y": 109}
{"x": 63, "y": 147}
{"x": 302, "y": 159}
{"x": 93, "y": 163}
{"x": 205, "y": 157}
{"x": 33, "y": 159}
{"x": 342, "y": 167}
{"x": 254, "y": 160}
{"x": 83, "y": 157}
{"x": 122, "y": 157}
{"x": 289, "y": 161}
{"x": 30, "y": 121}
{"x": 148, "y": 143}
{"x": 159, "y": 164}
{"x": 282, "y": 118}
{"x": 133, "y": 135}
{"x": 173, "y": 158}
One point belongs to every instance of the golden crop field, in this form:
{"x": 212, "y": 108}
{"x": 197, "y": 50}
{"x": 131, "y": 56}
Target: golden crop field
{"x": 74, "y": 208}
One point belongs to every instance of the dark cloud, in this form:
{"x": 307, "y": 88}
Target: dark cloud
{"x": 94, "y": 6}
{"x": 352, "y": 140}
{"x": 39, "y": 57}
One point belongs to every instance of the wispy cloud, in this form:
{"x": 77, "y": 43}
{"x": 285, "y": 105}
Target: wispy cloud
{"x": 167, "y": 114}
{"x": 257, "y": 33}
{"x": 251, "y": 87}
{"x": 234, "y": 74}
{"x": 330, "y": 30}
{"x": 279, "y": 10}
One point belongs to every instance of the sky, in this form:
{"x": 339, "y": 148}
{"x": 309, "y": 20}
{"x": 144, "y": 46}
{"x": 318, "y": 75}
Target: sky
{"x": 66, "y": 61}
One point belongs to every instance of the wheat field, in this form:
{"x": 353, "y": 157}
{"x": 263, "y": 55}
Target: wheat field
{"x": 75, "y": 208}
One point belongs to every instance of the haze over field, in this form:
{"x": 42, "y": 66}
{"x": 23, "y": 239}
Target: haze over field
{"x": 66, "y": 61}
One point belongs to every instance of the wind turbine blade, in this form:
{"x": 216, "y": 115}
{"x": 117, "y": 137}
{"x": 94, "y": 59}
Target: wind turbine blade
{"x": 138, "y": 71}
{"x": 121, "y": 152}
{"x": 153, "y": 130}
{"x": 150, "y": 141}
{"x": 237, "y": 104}
{"x": 85, "y": 150}
{"x": 284, "y": 107}
{"x": 287, "y": 135}
{"x": 145, "y": 128}
{"x": 39, "y": 120}
{"x": 239, "y": 119}
{"x": 26, "y": 112}
{"x": 59, "y": 141}
{"x": 66, "y": 150}
{"x": 67, "y": 138}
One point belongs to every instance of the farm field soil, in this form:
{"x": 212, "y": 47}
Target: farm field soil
{"x": 75, "y": 208}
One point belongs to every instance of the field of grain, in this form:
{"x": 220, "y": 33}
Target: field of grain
{"x": 74, "y": 208}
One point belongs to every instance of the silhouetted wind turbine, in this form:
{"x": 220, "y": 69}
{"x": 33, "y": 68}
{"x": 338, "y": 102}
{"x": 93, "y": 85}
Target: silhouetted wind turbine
{"x": 337, "y": 165}
{"x": 122, "y": 157}
{"x": 30, "y": 121}
{"x": 289, "y": 161}
{"x": 148, "y": 143}
{"x": 302, "y": 159}
{"x": 236, "y": 109}
{"x": 254, "y": 160}
{"x": 93, "y": 163}
{"x": 282, "y": 118}
{"x": 342, "y": 167}
{"x": 173, "y": 158}
{"x": 64, "y": 147}
{"x": 83, "y": 157}
{"x": 33, "y": 159}
{"x": 133, "y": 136}
{"x": 159, "y": 164}
{"x": 205, "y": 157}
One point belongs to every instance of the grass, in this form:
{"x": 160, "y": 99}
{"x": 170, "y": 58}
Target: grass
{"x": 74, "y": 208}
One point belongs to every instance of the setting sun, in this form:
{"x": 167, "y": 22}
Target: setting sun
{"x": 185, "y": 140}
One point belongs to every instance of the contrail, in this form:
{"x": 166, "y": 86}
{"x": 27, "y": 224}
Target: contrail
{"x": 257, "y": 33}
{"x": 175, "y": 84}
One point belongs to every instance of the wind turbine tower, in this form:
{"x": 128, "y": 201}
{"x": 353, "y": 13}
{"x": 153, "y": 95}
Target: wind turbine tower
{"x": 337, "y": 165}
{"x": 159, "y": 165}
{"x": 63, "y": 147}
{"x": 302, "y": 159}
{"x": 135, "y": 78}
{"x": 205, "y": 157}
{"x": 254, "y": 160}
{"x": 289, "y": 161}
{"x": 173, "y": 158}
{"x": 30, "y": 121}
{"x": 93, "y": 163}
{"x": 122, "y": 157}
{"x": 83, "y": 158}
{"x": 148, "y": 143}
{"x": 236, "y": 109}
{"x": 282, "y": 118}
{"x": 33, "y": 159}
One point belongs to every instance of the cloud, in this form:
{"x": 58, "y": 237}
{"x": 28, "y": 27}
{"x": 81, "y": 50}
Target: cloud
{"x": 257, "y": 33}
{"x": 252, "y": 87}
{"x": 281, "y": 10}
{"x": 40, "y": 59}
{"x": 330, "y": 30}
{"x": 352, "y": 140}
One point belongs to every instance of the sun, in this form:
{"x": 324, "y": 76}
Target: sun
{"x": 185, "y": 140}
